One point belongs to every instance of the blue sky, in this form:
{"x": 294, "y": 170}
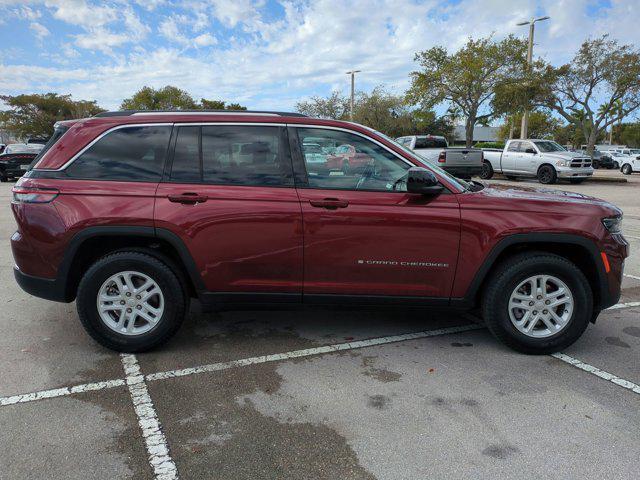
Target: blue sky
{"x": 266, "y": 54}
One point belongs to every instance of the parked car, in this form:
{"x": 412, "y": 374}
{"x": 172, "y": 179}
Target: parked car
{"x": 2, "y": 147}
{"x": 14, "y": 165}
{"x": 630, "y": 163}
{"x": 23, "y": 148}
{"x": 459, "y": 162}
{"x": 618, "y": 158}
{"x": 347, "y": 159}
{"x": 132, "y": 214}
{"x": 599, "y": 159}
{"x": 544, "y": 159}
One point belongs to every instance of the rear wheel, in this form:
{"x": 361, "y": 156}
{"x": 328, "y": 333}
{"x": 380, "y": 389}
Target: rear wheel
{"x": 626, "y": 169}
{"x": 130, "y": 302}
{"x": 487, "y": 171}
{"x": 547, "y": 174}
{"x": 537, "y": 303}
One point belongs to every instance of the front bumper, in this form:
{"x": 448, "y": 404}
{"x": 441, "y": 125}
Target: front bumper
{"x": 568, "y": 172}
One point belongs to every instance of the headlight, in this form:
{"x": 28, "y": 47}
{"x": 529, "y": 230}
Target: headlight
{"x": 563, "y": 163}
{"x": 613, "y": 224}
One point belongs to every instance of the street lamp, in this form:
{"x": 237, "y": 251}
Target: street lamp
{"x": 525, "y": 114}
{"x": 353, "y": 90}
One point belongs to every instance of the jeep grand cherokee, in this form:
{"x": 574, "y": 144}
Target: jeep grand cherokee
{"x": 132, "y": 214}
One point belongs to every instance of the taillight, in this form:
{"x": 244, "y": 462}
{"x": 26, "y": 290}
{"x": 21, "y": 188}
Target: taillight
{"x": 442, "y": 158}
{"x": 34, "y": 195}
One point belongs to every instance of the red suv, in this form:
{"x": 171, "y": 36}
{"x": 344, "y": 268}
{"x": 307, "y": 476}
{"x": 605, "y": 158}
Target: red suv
{"x": 132, "y": 214}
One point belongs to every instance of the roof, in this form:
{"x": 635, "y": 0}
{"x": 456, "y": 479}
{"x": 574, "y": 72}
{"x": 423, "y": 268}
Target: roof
{"x": 127, "y": 113}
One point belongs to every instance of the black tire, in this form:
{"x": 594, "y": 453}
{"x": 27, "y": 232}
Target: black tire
{"x": 506, "y": 278}
{"x": 173, "y": 290}
{"x": 487, "y": 171}
{"x": 626, "y": 169}
{"x": 3, "y": 178}
{"x": 547, "y": 175}
{"x": 576, "y": 181}
{"x": 616, "y": 165}
{"x": 595, "y": 164}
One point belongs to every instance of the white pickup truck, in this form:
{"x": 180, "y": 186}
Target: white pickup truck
{"x": 459, "y": 162}
{"x": 544, "y": 159}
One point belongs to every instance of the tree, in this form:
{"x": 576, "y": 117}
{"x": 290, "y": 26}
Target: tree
{"x": 630, "y": 134}
{"x": 165, "y": 98}
{"x": 541, "y": 125}
{"x": 601, "y": 70}
{"x": 33, "y": 115}
{"x": 219, "y": 105}
{"x": 468, "y": 78}
{"x": 335, "y": 106}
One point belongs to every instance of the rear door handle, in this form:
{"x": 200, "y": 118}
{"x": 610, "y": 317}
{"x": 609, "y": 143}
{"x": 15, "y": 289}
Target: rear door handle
{"x": 329, "y": 203}
{"x": 188, "y": 198}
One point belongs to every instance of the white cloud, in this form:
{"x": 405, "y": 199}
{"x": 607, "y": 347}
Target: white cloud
{"x": 169, "y": 28}
{"x": 28, "y": 13}
{"x": 204, "y": 40}
{"x": 40, "y": 30}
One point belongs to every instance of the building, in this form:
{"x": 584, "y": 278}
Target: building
{"x": 480, "y": 134}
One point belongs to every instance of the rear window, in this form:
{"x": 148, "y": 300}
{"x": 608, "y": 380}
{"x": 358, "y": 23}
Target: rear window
{"x": 134, "y": 154}
{"x": 430, "y": 142}
{"x": 58, "y": 132}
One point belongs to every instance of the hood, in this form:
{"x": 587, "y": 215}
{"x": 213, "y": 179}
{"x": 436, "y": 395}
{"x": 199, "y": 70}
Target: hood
{"x": 541, "y": 199}
{"x": 565, "y": 155}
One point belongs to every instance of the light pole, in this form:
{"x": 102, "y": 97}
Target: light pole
{"x": 525, "y": 114}
{"x": 353, "y": 90}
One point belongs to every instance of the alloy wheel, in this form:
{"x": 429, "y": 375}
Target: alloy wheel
{"x": 541, "y": 306}
{"x": 130, "y": 303}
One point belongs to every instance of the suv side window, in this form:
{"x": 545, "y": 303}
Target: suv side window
{"x": 351, "y": 162}
{"x": 514, "y": 147}
{"x": 252, "y": 155}
{"x": 232, "y": 155}
{"x": 134, "y": 154}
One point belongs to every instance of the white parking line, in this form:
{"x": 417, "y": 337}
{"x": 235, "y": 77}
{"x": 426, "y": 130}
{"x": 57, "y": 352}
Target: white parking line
{"x": 635, "y": 277}
{"x": 163, "y": 466}
{"x": 597, "y": 372}
{"x": 618, "y": 306}
{"x": 213, "y": 367}
{"x": 60, "y": 392}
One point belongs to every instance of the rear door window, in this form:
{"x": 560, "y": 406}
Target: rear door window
{"x": 430, "y": 142}
{"x": 134, "y": 154}
{"x": 514, "y": 147}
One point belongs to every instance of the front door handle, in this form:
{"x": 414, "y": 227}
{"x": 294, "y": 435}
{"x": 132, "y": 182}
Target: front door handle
{"x": 329, "y": 203}
{"x": 188, "y": 198}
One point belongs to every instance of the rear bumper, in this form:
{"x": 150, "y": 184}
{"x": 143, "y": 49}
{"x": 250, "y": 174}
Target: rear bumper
{"x": 463, "y": 171}
{"x": 47, "y": 288}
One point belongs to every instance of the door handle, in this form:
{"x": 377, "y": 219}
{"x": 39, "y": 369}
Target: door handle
{"x": 188, "y": 198}
{"x": 329, "y": 203}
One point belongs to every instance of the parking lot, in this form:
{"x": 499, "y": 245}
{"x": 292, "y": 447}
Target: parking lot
{"x": 321, "y": 393}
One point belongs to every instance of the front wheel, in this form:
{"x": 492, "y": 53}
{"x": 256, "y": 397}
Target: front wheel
{"x": 626, "y": 169}
{"x": 537, "y": 303}
{"x": 130, "y": 302}
{"x": 547, "y": 174}
{"x": 487, "y": 171}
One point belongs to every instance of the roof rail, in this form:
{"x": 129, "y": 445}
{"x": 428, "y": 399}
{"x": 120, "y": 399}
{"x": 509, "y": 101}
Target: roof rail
{"x": 126, "y": 113}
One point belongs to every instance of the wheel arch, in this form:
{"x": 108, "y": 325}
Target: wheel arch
{"x": 92, "y": 243}
{"x": 582, "y": 251}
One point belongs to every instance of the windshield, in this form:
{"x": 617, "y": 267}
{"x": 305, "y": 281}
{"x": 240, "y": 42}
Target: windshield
{"x": 549, "y": 146}
{"x": 430, "y": 142}
{"x": 461, "y": 184}
{"x": 58, "y": 131}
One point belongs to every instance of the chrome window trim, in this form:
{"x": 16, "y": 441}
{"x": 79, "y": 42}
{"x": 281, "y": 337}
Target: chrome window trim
{"x": 99, "y": 137}
{"x": 229, "y": 112}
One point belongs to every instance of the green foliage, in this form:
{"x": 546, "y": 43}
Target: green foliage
{"x": 467, "y": 79}
{"x": 630, "y": 134}
{"x": 381, "y": 110}
{"x": 489, "y": 145}
{"x": 541, "y": 125}
{"x": 601, "y": 69}
{"x": 172, "y": 98}
{"x": 34, "y": 115}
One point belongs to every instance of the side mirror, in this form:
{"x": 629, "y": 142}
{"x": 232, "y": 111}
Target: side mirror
{"x": 423, "y": 181}
{"x": 530, "y": 150}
